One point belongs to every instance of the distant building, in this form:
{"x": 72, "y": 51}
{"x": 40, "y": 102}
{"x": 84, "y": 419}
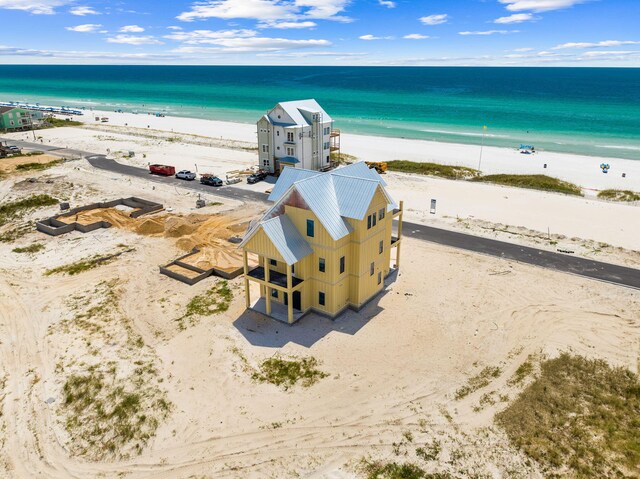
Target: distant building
{"x": 298, "y": 134}
{"x": 13, "y": 118}
{"x": 325, "y": 245}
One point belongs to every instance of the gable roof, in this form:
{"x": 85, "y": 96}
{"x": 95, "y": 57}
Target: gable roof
{"x": 286, "y": 239}
{"x": 297, "y": 109}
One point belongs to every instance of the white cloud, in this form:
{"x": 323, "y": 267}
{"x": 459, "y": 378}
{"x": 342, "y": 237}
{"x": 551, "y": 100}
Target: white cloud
{"x": 197, "y": 37}
{"x": 267, "y": 10}
{"x": 37, "y": 7}
{"x": 288, "y": 25}
{"x": 387, "y": 3}
{"x": 373, "y": 37}
{"x": 253, "y": 44}
{"x": 539, "y": 5}
{"x": 601, "y": 53}
{"x": 134, "y": 40}
{"x": 435, "y": 19}
{"x": 311, "y": 54}
{"x": 131, "y": 29}
{"x": 515, "y": 18}
{"x": 415, "y": 36}
{"x": 86, "y": 28}
{"x": 606, "y": 43}
{"x": 173, "y": 27}
{"x": 82, "y": 11}
{"x": 489, "y": 32}
{"x": 526, "y": 49}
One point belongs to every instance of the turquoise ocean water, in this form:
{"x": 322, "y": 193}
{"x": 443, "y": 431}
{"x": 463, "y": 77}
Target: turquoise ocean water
{"x": 593, "y": 111}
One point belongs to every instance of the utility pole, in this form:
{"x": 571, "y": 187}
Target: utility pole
{"x": 484, "y": 130}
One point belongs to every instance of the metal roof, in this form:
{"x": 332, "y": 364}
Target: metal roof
{"x": 359, "y": 170}
{"x": 320, "y": 196}
{"x": 287, "y": 178}
{"x": 286, "y": 238}
{"x": 354, "y": 195}
{"x": 295, "y": 108}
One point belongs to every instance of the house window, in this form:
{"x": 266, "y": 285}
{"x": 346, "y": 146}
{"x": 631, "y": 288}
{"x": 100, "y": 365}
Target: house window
{"x": 273, "y": 262}
{"x": 278, "y": 133}
{"x": 321, "y": 298}
{"x": 342, "y": 265}
{"x": 265, "y": 162}
{"x": 373, "y": 219}
{"x": 293, "y": 269}
{"x": 265, "y": 148}
{"x": 321, "y": 265}
{"x": 369, "y": 222}
{"x": 326, "y": 145}
{"x": 372, "y": 269}
{"x": 381, "y": 214}
{"x": 310, "y": 228}
{"x": 327, "y": 130}
{"x": 327, "y": 159}
{"x": 381, "y": 247}
{"x": 274, "y": 293}
{"x": 379, "y": 277}
{"x": 290, "y": 151}
{"x": 289, "y": 136}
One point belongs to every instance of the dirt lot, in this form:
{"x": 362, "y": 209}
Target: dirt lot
{"x": 177, "y": 397}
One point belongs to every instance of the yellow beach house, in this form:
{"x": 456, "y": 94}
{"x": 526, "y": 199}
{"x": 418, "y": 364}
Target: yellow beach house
{"x": 325, "y": 244}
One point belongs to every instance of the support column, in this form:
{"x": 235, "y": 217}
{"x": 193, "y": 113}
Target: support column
{"x": 267, "y": 298}
{"x": 247, "y": 294}
{"x": 290, "y": 294}
{"x": 264, "y": 264}
{"x": 399, "y": 234}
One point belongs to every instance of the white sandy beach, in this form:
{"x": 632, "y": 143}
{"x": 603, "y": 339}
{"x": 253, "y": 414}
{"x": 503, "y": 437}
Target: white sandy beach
{"x": 392, "y": 368}
{"x": 579, "y": 169}
{"x": 482, "y": 208}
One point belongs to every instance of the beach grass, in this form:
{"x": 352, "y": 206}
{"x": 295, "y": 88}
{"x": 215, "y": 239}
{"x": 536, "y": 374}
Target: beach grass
{"x": 534, "y": 182}
{"x": 394, "y": 470}
{"x": 479, "y": 381}
{"x": 433, "y": 169}
{"x": 38, "y": 166}
{"x": 579, "y": 418}
{"x": 32, "y": 248}
{"x": 619, "y": 195}
{"x": 85, "y": 264}
{"x": 287, "y": 372}
{"x": 213, "y": 301}
{"x": 11, "y": 210}
{"x": 57, "y": 122}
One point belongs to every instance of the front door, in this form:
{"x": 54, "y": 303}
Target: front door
{"x": 297, "y": 300}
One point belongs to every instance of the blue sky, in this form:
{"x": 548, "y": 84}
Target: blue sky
{"x": 323, "y": 32}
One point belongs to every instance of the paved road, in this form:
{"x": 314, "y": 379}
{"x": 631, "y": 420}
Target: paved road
{"x": 611, "y": 273}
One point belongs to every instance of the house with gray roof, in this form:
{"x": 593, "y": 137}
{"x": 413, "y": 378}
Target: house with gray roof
{"x": 324, "y": 245}
{"x": 296, "y": 134}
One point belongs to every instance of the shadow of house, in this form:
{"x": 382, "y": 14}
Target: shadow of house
{"x": 261, "y": 330}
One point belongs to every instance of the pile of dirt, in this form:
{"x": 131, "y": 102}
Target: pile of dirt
{"x": 209, "y": 233}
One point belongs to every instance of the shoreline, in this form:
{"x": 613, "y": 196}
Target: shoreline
{"x": 582, "y": 170}
{"x": 390, "y": 128}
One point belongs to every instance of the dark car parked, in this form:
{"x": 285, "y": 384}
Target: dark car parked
{"x": 211, "y": 180}
{"x": 260, "y": 176}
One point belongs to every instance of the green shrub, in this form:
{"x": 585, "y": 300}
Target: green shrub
{"x": 433, "y": 169}
{"x": 287, "y": 372}
{"x": 534, "y": 182}
{"x": 619, "y": 195}
{"x": 580, "y": 418}
{"x": 38, "y": 166}
{"x": 33, "y": 248}
{"x": 9, "y": 211}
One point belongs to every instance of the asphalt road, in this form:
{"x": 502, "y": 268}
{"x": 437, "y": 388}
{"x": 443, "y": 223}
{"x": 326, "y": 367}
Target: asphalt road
{"x": 566, "y": 263}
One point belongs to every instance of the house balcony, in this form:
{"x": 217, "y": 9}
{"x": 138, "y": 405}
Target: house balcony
{"x": 276, "y": 279}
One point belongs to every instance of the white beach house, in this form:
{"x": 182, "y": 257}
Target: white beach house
{"x": 298, "y": 134}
